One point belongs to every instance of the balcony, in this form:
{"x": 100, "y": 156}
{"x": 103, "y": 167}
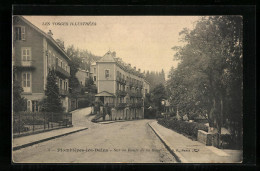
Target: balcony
{"x": 121, "y": 106}
{"x": 131, "y": 84}
{"x": 24, "y": 64}
{"x": 121, "y": 93}
{"x": 138, "y": 94}
{"x": 120, "y": 80}
{"x": 63, "y": 92}
{"x": 62, "y": 72}
{"x": 110, "y": 104}
{"x": 135, "y": 94}
{"x": 136, "y": 105}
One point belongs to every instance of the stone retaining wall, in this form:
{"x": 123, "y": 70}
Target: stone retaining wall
{"x": 204, "y": 137}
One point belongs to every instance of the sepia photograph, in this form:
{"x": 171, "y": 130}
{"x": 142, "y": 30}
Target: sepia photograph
{"x": 127, "y": 89}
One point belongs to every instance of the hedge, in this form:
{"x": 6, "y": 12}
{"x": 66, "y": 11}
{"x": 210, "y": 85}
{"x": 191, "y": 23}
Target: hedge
{"x": 189, "y": 129}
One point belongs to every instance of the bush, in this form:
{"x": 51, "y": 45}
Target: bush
{"x": 84, "y": 103}
{"x": 159, "y": 115}
{"x": 189, "y": 129}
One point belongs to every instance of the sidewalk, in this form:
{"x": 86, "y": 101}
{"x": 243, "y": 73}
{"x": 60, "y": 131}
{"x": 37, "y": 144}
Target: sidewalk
{"x": 187, "y": 151}
{"x": 25, "y": 141}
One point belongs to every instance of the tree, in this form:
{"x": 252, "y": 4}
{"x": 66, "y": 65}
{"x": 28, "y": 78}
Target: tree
{"x": 53, "y": 101}
{"x": 155, "y": 78}
{"x": 74, "y": 86}
{"x": 158, "y": 94}
{"x": 208, "y": 79}
{"x": 19, "y": 103}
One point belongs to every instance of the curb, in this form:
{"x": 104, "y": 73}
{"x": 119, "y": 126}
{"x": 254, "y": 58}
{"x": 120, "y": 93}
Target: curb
{"x": 177, "y": 155}
{"x": 109, "y": 122}
{"x": 46, "y": 139}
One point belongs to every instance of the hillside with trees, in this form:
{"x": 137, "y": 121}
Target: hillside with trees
{"x": 155, "y": 78}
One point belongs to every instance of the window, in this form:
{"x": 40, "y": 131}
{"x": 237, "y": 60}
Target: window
{"x": 26, "y": 80}
{"x": 26, "y": 54}
{"x": 35, "y": 107}
{"x": 53, "y": 59}
{"x": 57, "y": 61}
{"x": 107, "y": 73}
{"x": 60, "y": 84}
{"x": 95, "y": 78}
{"x": 94, "y": 70}
{"x": 28, "y": 105}
{"x": 19, "y": 33}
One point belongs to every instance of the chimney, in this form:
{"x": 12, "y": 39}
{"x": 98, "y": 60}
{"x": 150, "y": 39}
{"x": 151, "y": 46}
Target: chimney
{"x": 129, "y": 65}
{"x": 134, "y": 68}
{"x": 50, "y": 33}
{"x": 139, "y": 70}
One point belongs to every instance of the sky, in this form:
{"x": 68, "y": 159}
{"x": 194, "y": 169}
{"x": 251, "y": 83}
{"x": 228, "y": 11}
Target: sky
{"x": 142, "y": 41}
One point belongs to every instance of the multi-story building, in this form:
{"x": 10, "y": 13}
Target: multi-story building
{"x": 82, "y": 76}
{"x": 35, "y": 53}
{"x": 146, "y": 87}
{"x": 120, "y": 86}
{"x": 93, "y": 71}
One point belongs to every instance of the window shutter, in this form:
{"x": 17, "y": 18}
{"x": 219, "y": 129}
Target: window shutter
{"x": 23, "y": 33}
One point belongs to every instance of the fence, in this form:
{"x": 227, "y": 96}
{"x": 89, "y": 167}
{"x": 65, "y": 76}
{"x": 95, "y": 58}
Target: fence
{"x": 26, "y": 122}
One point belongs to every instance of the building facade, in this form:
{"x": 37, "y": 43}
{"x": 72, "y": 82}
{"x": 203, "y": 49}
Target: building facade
{"x": 120, "y": 87}
{"x": 82, "y": 76}
{"x": 35, "y": 53}
{"x": 93, "y": 72}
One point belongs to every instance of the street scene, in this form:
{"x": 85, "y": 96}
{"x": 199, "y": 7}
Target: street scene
{"x": 107, "y": 142}
{"x": 127, "y": 89}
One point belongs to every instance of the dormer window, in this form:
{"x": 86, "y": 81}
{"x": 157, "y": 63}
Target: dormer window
{"x": 19, "y": 33}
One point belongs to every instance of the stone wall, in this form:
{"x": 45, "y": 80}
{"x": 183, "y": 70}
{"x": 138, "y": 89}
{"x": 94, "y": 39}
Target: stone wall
{"x": 204, "y": 137}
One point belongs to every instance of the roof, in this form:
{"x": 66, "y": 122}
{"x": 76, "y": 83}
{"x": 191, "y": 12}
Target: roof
{"x": 82, "y": 70}
{"x": 107, "y": 58}
{"x": 94, "y": 63}
{"x": 45, "y": 35}
{"x": 104, "y": 93}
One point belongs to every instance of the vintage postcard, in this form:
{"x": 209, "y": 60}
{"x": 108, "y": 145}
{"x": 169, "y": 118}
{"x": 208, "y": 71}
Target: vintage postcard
{"x": 127, "y": 89}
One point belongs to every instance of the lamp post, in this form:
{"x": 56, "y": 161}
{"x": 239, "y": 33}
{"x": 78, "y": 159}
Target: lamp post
{"x": 163, "y": 104}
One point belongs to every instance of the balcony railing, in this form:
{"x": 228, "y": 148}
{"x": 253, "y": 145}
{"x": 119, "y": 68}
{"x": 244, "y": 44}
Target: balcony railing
{"x": 26, "y": 64}
{"x": 121, "y": 105}
{"x": 121, "y": 80}
{"x": 61, "y": 71}
{"x": 63, "y": 92}
{"x": 136, "y": 105}
{"x": 121, "y": 93}
{"x": 135, "y": 94}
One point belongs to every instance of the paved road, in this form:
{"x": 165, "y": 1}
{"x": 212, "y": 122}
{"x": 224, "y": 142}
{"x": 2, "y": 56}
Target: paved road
{"x": 129, "y": 142}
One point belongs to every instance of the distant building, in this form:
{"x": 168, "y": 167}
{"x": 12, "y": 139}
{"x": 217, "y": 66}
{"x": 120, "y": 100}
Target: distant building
{"x": 82, "y": 76}
{"x": 146, "y": 87}
{"x": 35, "y": 53}
{"x": 93, "y": 72}
{"x": 120, "y": 86}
